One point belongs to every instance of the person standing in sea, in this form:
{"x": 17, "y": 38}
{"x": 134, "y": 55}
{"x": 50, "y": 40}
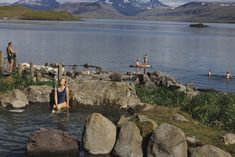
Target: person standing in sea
{"x": 145, "y": 58}
{"x": 10, "y": 56}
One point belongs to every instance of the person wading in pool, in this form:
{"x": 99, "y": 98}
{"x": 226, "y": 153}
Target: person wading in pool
{"x": 61, "y": 96}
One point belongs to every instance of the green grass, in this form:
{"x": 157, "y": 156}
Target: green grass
{"x": 213, "y": 109}
{"x": 205, "y": 134}
{"x": 23, "y": 13}
{"x": 13, "y": 81}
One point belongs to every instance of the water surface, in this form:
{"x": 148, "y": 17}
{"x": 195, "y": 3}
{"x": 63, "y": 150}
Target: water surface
{"x": 173, "y": 47}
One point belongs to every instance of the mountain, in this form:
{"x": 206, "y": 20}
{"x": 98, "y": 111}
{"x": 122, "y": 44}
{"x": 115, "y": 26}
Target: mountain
{"x": 38, "y": 4}
{"x": 133, "y": 7}
{"x": 5, "y": 4}
{"x": 193, "y": 11}
{"x": 90, "y": 9}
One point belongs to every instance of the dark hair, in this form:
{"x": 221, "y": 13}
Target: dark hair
{"x": 9, "y": 43}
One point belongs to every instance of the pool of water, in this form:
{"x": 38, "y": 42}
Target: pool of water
{"x": 16, "y": 128}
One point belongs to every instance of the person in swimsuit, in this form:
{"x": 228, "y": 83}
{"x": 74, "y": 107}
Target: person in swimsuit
{"x": 61, "y": 96}
{"x": 10, "y": 56}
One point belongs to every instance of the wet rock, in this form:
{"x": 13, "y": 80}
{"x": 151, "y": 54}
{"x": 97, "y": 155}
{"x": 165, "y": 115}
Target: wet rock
{"x": 167, "y": 141}
{"x": 99, "y": 92}
{"x": 229, "y": 138}
{"x": 48, "y": 141}
{"x": 99, "y": 135}
{"x": 179, "y": 118}
{"x": 14, "y": 99}
{"x": 39, "y": 94}
{"x": 129, "y": 141}
{"x": 208, "y": 151}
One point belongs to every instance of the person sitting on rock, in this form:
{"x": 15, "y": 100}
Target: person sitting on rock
{"x": 137, "y": 62}
{"x": 61, "y": 96}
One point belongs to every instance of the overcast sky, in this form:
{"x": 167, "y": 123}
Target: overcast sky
{"x": 169, "y": 2}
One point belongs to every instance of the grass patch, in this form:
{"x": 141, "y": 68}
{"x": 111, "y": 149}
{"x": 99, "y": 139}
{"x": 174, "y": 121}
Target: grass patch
{"x": 213, "y": 109}
{"x": 13, "y": 81}
{"x": 23, "y": 13}
{"x": 205, "y": 134}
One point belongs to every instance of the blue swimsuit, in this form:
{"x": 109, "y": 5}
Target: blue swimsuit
{"x": 61, "y": 96}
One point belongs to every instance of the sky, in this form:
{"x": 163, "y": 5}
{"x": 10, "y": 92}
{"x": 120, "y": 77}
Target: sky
{"x": 168, "y": 2}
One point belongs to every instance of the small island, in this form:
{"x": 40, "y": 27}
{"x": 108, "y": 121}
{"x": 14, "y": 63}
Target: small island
{"x": 198, "y": 25}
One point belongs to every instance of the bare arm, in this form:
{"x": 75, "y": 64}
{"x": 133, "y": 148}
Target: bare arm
{"x": 55, "y": 97}
{"x": 67, "y": 96}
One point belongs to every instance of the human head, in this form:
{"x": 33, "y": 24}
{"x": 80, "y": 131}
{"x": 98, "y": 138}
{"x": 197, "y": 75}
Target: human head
{"x": 10, "y": 43}
{"x": 62, "y": 82}
{"x": 137, "y": 60}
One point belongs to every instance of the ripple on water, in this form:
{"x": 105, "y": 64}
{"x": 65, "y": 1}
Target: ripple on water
{"x": 16, "y": 128}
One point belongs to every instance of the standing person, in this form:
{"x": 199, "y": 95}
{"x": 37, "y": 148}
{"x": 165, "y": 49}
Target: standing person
{"x": 145, "y": 58}
{"x": 228, "y": 75}
{"x": 61, "y": 96}
{"x": 209, "y": 72}
{"x": 10, "y": 56}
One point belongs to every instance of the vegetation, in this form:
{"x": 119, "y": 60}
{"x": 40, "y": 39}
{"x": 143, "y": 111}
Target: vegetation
{"x": 203, "y": 133}
{"x": 14, "y": 81}
{"x": 23, "y": 13}
{"x": 213, "y": 109}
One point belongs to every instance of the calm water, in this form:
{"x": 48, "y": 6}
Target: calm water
{"x": 173, "y": 47}
{"x": 15, "y": 128}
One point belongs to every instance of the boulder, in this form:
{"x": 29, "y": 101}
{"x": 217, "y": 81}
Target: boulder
{"x": 99, "y": 92}
{"x": 122, "y": 120}
{"x": 39, "y": 94}
{"x": 99, "y": 135}
{"x": 229, "y": 138}
{"x": 145, "y": 124}
{"x": 129, "y": 141}
{"x": 179, "y": 118}
{"x": 208, "y": 151}
{"x": 48, "y": 141}
{"x": 167, "y": 141}
{"x": 14, "y": 99}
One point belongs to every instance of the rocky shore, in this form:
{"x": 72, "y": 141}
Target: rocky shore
{"x": 136, "y": 135}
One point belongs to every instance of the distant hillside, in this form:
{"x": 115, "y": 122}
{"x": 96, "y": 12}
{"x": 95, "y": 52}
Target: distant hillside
{"x": 23, "y": 13}
{"x": 194, "y": 11}
{"x": 91, "y": 10}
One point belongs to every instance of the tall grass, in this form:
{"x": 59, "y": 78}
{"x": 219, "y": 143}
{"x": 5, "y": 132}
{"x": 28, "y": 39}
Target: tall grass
{"x": 14, "y": 81}
{"x": 213, "y": 109}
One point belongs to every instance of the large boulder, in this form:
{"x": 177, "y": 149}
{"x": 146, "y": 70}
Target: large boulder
{"x": 14, "y": 99}
{"x": 39, "y": 94}
{"x": 129, "y": 141}
{"x": 48, "y": 141}
{"x": 167, "y": 141}
{"x": 208, "y": 151}
{"x": 99, "y": 92}
{"x": 99, "y": 135}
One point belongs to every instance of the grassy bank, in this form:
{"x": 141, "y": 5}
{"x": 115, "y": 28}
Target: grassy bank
{"x": 23, "y": 13}
{"x": 14, "y": 81}
{"x": 203, "y": 133}
{"x": 213, "y": 109}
